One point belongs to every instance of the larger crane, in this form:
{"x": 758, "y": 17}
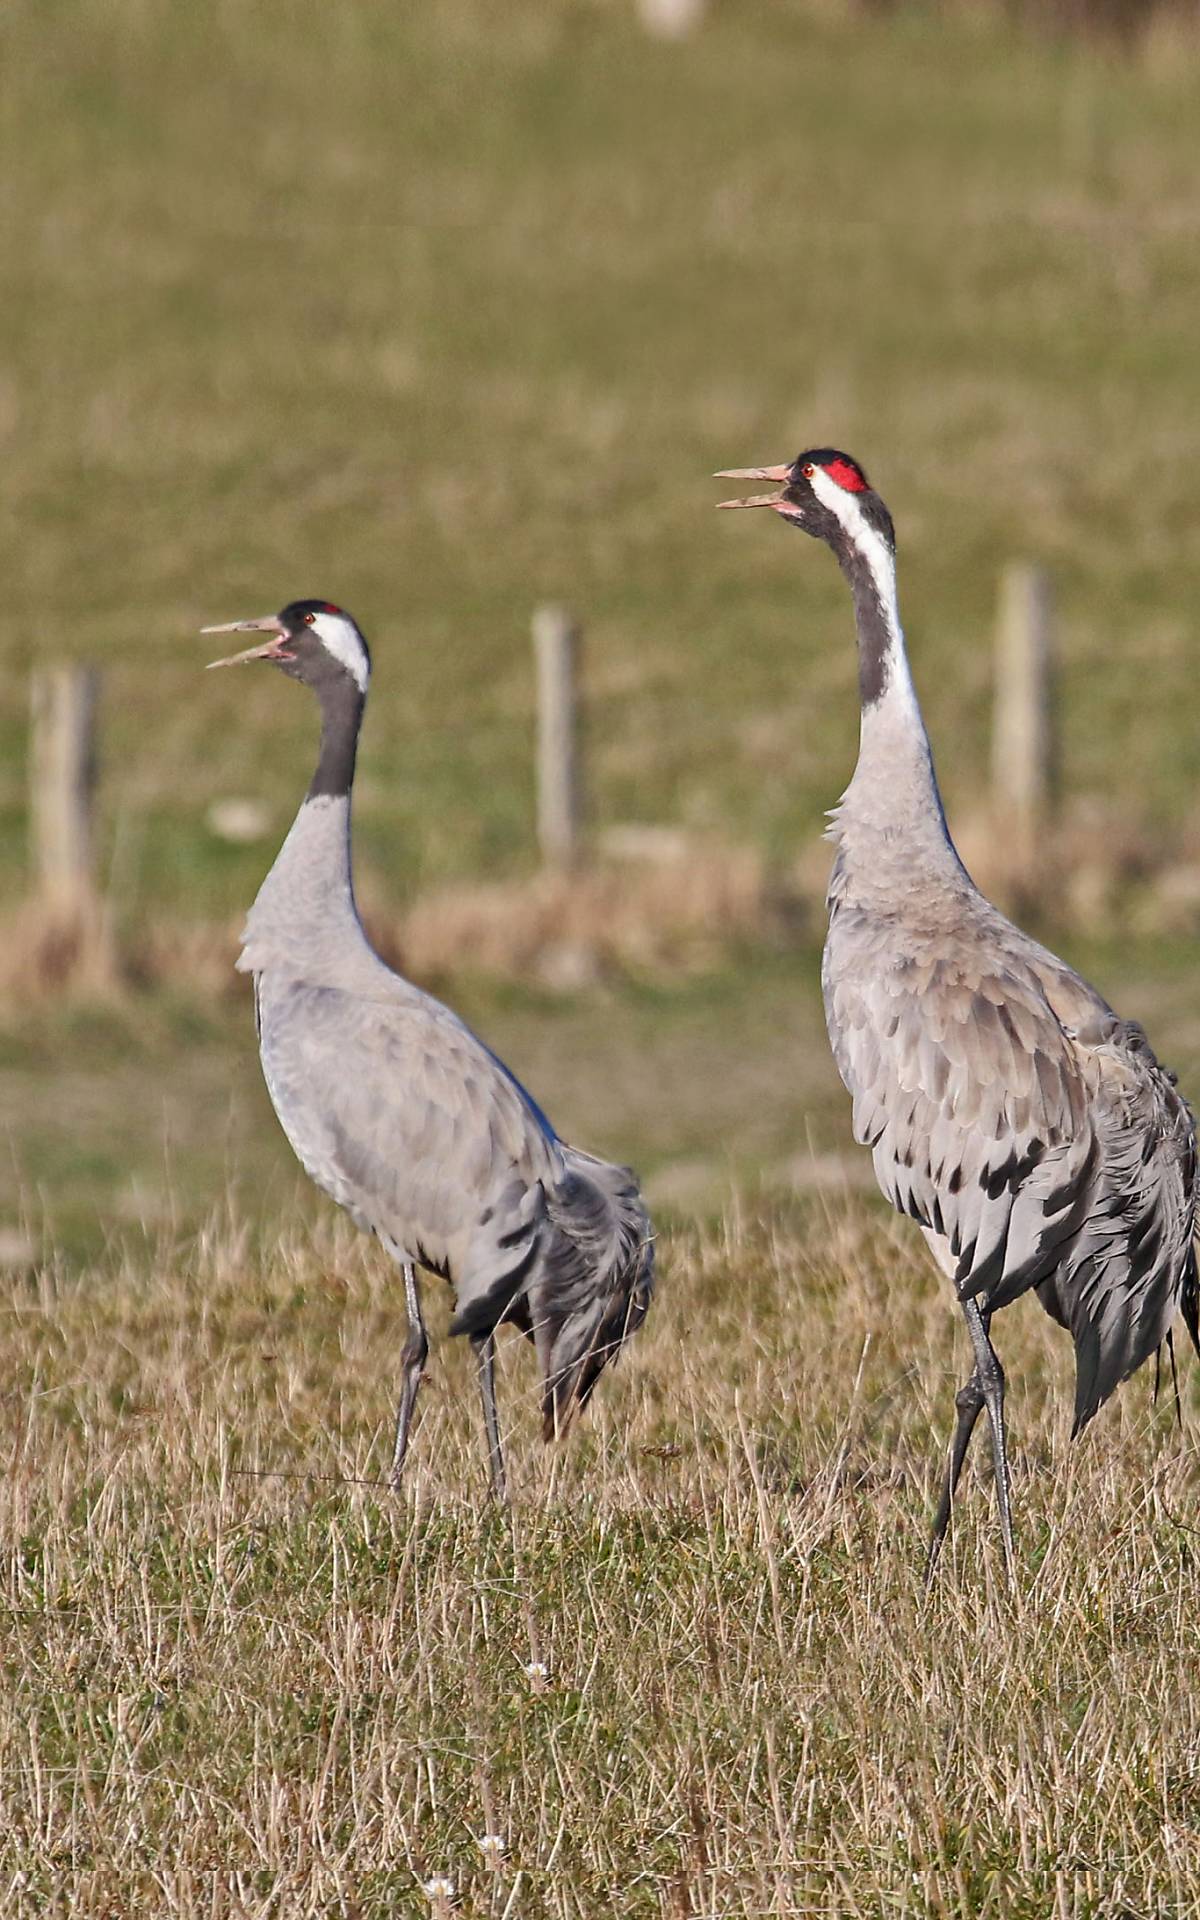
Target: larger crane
{"x": 403, "y": 1115}
{"x": 1030, "y": 1132}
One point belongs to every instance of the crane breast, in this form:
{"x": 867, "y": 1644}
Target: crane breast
{"x": 405, "y": 1118}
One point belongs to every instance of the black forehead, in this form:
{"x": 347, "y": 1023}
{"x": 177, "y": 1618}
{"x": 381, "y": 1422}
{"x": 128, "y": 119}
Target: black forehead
{"x": 827, "y": 457}
{"x": 297, "y": 610}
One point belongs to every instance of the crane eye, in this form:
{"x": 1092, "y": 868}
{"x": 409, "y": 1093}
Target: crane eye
{"x": 309, "y": 619}
{"x": 808, "y": 471}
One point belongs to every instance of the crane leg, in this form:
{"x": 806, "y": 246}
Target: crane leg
{"x": 991, "y": 1381}
{"x": 969, "y": 1401}
{"x": 416, "y": 1352}
{"x": 485, "y": 1354}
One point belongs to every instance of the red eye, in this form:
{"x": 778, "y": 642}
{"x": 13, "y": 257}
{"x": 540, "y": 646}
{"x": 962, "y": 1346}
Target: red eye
{"x": 808, "y": 471}
{"x": 309, "y": 618}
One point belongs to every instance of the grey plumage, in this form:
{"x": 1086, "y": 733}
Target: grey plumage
{"x": 1012, "y": 1114}
{"x": 1029, "y": 1131}
{"x": 402, "y": 1114}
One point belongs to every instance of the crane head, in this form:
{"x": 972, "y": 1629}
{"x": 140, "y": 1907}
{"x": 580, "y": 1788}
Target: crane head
{"x": 310, "y": 639}
{"x": 823, "y": 492}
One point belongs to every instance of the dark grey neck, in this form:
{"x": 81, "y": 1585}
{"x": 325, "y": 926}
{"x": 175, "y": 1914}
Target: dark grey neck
{"x": 876, "y": 639}
{"x": 341, "y": 717}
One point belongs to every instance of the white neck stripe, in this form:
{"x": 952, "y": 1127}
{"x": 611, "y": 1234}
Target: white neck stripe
{"x": 898, "y": 692}
{"x": 870, "y": 542}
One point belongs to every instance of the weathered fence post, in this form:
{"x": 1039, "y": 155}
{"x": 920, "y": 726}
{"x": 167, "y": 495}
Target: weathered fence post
{"x": 1023, "y": 720}
{"x": 62, "y": 774}
{"x": 74, "y": 940}
{"x": 556, "y": 647}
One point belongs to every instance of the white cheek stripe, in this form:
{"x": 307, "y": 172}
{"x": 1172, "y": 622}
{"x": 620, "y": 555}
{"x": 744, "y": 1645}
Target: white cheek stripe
{"x": 871, "y": 544}
{"x": 339, "y": 638}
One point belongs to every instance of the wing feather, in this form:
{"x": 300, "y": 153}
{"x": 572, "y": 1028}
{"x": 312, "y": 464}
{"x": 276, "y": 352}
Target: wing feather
{"x": 401, "y": 1113}
{"x": 1021, "y": 1123}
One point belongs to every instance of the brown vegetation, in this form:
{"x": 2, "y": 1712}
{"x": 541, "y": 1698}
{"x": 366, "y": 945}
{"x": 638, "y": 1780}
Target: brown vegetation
{"x": 693, "y": 1673}
{"x": 672, "y": 903}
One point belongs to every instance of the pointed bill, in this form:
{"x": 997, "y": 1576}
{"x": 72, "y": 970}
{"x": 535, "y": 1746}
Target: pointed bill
{"x": 780, "y": 476}
{"x": 269, "y": 650}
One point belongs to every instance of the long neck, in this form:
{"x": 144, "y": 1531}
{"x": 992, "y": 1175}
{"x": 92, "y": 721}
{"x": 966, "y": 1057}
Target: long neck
{"x": 305, "y": 918}
{"x": 342, "y": 707}
{"x": 893, "y": 798}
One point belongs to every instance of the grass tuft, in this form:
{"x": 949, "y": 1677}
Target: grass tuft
{"x": 692, "y": 1672}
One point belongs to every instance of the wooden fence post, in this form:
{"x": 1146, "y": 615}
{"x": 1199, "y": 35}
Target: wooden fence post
{"x": 74, "y": 940}
{"x": 1023, "y": 721}
{"x": 556, "y": 647}
{"x": 62, "y": 774}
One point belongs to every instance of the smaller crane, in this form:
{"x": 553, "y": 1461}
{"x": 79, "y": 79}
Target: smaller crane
{"x": 403, "y": 1116}
{"x": 1030, "y": 1132}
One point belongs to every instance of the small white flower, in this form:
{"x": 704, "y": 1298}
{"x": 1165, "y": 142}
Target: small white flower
{"x": 493, "y": 1848}
{"x": 440, "y": 1890}
{"x": 537, "y": 1671}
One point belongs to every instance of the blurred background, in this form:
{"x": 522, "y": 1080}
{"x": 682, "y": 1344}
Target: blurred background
{"x": 446, "y": 312}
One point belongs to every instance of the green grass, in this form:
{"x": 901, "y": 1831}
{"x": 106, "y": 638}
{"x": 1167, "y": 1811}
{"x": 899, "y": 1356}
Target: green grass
{"x": 443, "y": 315}
{"x": 123, "y": 1121}
{"x": 240, "y": 1677}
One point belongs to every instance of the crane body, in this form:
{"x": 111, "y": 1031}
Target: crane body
{"x": 400, "y": 1113}
{"x": 1028, "y": 1130}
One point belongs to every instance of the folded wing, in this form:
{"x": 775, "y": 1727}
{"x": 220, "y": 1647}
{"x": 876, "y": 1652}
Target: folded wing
{"x": 1012, "y": 1114}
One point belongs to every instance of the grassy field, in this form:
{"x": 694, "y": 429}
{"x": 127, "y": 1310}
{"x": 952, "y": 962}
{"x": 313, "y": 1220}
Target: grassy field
{"x": 441, "y": 317}
{"x": 444, "y": 319}
{"x": 125, "y": 1120}
{"x": 443, "y": 310}
{"x": 693, "y": 1672}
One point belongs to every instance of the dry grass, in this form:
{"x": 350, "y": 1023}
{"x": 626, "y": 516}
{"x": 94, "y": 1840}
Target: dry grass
{"x": 684, "y": 910}
{"x": 45, "y": 951}
{"x": 685, "y": 904}
{"x": 242, "y": 1679}
{"x": 668, "y": 903}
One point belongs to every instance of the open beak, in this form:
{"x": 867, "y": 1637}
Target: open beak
{"x": 270, "y": 650}
{"x": 780, "y": 476}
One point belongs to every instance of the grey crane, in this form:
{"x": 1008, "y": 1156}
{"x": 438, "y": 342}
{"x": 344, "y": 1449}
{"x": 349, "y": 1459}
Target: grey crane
{"x": 400, "y": 1113}
{"x": 1030, "y": 1132}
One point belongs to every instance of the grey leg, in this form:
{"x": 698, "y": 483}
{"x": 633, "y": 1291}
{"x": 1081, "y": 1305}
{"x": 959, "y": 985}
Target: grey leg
{"x": 969, "y": 1401}
{"x": 485, "y": 1354}
{"x": 991, "y": 1381}
{"x": 416, "y": 1352}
